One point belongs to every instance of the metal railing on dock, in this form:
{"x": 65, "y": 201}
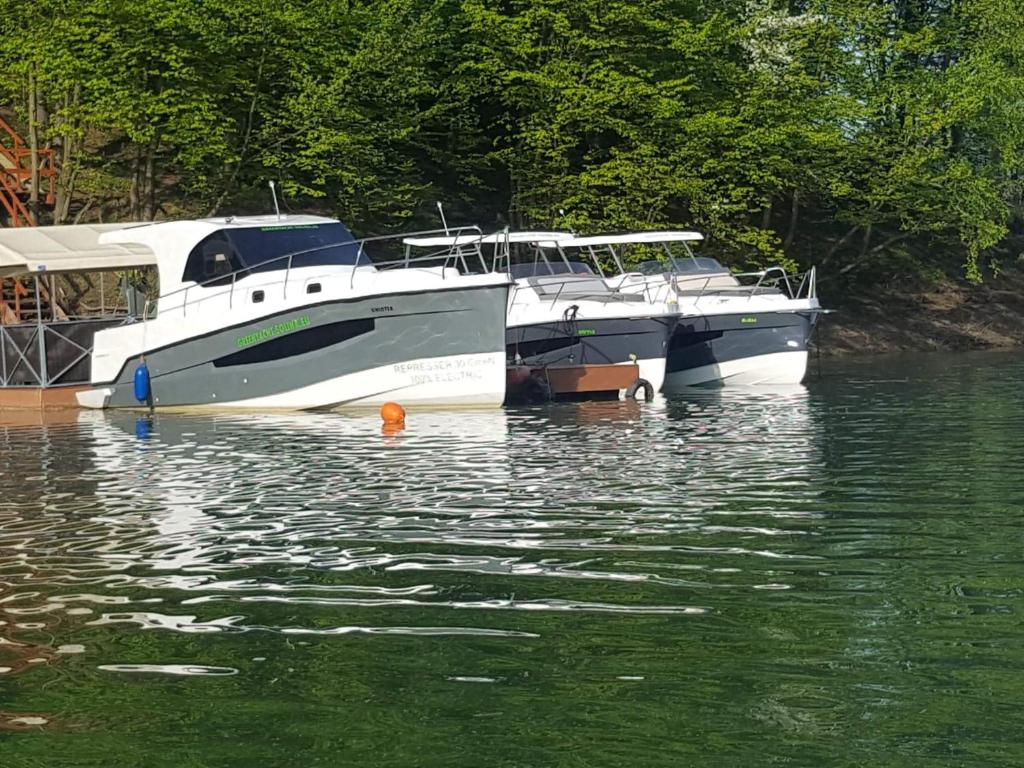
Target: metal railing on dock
{"x": 48, "y": 354}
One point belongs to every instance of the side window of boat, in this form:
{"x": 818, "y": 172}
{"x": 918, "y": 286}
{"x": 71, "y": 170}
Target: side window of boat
{"x": 695, "y": 264}
{"x": 213, "y": 261}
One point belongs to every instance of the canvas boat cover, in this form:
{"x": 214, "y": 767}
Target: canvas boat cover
{"x": 449, "y": 241}
{"x": 72, "y": 248}
{"x": 634, "y": 238}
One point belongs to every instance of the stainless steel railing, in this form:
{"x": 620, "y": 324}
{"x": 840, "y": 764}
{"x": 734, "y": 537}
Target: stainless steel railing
{"x": 362, "y": 259}
{"x": 775, "y": 278}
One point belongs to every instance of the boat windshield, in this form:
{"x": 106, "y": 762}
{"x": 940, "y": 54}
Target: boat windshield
{"x": 537, "y": 268}
{"x": 264, "y": 249}
{"x": 684, "y": 266}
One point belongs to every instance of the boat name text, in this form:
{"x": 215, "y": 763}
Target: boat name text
{"x": 288, "y": 326}
{"x": 442, "y": 371}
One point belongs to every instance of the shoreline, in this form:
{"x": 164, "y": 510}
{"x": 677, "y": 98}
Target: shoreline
{"x": 948, "y": 316}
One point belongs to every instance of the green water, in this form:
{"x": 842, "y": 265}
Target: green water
{"x": 829, "y": 576}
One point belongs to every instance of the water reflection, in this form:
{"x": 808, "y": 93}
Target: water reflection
{"x": 581, "y": 493}
{"x": 191, "y": 670}
{"x": 769, "y": 566}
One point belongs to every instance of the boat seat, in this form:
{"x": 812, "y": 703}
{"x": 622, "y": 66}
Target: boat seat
{"x": 606, "y": 298}
{"x": 572, "y": 285}
{"x": 721, "y": 280}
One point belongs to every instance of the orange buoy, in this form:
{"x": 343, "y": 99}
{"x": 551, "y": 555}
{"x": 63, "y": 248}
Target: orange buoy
{"x": 392, "y": 413}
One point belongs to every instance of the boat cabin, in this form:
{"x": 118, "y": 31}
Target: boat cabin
{"x": 61, "y": 285}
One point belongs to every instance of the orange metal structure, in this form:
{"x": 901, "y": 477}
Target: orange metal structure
{"x": 16, "y": 176}
{"x": 15, "y": 190}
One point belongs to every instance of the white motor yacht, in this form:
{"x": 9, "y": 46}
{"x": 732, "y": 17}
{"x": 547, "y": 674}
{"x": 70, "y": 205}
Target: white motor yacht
{"x": 290, "y": 312}
{"x": 563, "y": 313}
{"x": 739, "y": 329}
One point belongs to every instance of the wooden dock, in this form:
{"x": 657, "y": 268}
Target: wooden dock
{"x": 39, "y": 398}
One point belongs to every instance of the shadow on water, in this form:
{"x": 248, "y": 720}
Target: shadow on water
{"x": 822, "y": 575}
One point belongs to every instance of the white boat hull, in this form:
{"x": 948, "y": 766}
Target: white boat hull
{"x": 443, "y": 344}
{"x": 653, "y": 370}
{"x": 769, "y": 369}
{"x": 458, "y": 380}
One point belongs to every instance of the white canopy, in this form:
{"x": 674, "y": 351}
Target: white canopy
{"x": 443, "y": 241}
{"x": 525, "y": 237}
{"x": 633, "y": 238}
{"x": 73, "y": 248}
{"x": 450, "y": 241}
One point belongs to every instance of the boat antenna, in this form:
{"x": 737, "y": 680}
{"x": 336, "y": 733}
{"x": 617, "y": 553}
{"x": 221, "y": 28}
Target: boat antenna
{"x": 444, "y": 222}
{"x": 273, "y": 192}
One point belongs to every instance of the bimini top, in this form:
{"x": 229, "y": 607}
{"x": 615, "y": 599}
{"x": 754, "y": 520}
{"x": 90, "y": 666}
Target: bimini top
{"x": 633, "y": 238}
{"x": 451, "y": 241}
{"x": 72, "y": 248}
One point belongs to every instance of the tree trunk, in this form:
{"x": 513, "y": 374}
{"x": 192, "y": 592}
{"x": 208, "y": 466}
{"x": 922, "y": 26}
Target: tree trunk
{"x": 134, "y": 193}
{"x": 33, "y": 141}
{"x": 246, "y": 136}
{"x": 839, "y": 244}
{"x": 877, "y": 249}
{"x": 513, "y": 208}
{"x": 84, "y": 210}
{"x": 867, "y": 240}
{"x": 794, "y": 217}
{"x": 766, "y": 215}
{"x": 67, "y": 150}
{"x": 149, "y": 181}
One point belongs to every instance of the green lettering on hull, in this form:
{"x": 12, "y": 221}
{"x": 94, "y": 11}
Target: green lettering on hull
{"x": 273, "y": 331}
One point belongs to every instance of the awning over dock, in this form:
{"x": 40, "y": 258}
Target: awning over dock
{"x": 73, "y": 248}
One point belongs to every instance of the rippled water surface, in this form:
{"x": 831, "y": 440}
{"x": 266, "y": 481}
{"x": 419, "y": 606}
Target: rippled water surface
{"x": 829, "y": 576}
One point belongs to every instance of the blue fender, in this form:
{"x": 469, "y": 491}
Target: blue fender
{"x": 142, "y": 383}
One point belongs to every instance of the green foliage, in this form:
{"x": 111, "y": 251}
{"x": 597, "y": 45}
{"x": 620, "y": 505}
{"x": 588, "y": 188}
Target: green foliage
{"x": 807, "y": 131}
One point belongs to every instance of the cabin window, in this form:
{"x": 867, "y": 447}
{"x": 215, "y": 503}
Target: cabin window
{"x": 213, "y": 262}
{"x": 245, "y": 250}
{"x": 313, "y": 288}
{"x": 257, "y": 297}
{"x": 553, "y": 267}
{"x": 697, "y": 264}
